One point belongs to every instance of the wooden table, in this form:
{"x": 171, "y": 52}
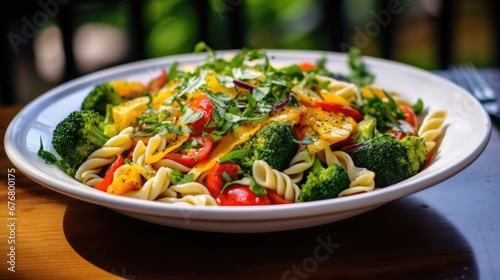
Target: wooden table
{"x": 449, "y": 231}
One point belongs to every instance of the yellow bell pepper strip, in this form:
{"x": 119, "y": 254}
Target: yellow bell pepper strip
{"x": 126, "y": 178}
{"x": 125, "y": 114}
{"x": 178, "y": 141}
{"x": 214, "y": 84}
{"x": 128, "y": 90}
{"x": 324, "y": 128}
{"x": 371, "y": 91}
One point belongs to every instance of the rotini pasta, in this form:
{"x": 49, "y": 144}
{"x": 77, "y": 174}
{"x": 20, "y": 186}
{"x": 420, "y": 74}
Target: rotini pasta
{"x": 362, "y": 180}
{"x": 88, "y": 172}
{"x": 299, "y": 164}
{"x": 273, "y": 179}
{"x": 154, "y": 186}
{"x": 432, "y": 127}
{"x": 199, "y": 199}
{"x": 346, "y": 90}
{"x": 188, "y": 193}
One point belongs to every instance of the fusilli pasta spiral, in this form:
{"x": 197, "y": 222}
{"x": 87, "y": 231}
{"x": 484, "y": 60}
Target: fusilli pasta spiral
{"x": 362, "y": 180}
{"x": 273, "y": 179}
{"x": 432, "y": 127}
{"x": 154, "y": 186}
{"x": 88, "y": 172}
{"x": 302, "y": 161}
{"x": 347, "y": 90}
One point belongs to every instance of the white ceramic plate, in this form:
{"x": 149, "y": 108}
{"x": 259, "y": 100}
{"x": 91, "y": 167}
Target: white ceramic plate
{"x": 468, "y": 129}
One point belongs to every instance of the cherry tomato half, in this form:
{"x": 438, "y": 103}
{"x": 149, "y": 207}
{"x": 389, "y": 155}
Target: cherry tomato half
{"x": 403, "y": 130}
{"x": 339, "y": 108}
{"x": 241, "y": 195}
{"x": 191, "y": 155}
{"x": 201, "y": 104}
{"x": 215, "y": 178}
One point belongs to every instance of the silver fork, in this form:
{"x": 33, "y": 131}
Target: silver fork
{"x": 467, "y": 76}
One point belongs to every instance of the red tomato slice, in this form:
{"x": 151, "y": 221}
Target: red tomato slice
{"x": 339, "y": 108}
{"x": 201, "y": 104}
{"x": 275, "y": 198}
{"x": 158, "y": 82}
{"x": 215, "y": 180}
{"x": 190, "y": 156}
{"x": 410, "y": 116}
{"x": 241, "y": 195}
{"x": 404, "y": 130}
{"x": 108, "y": 178}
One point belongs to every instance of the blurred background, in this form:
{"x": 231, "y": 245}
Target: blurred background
{"x": 48, "y": 42}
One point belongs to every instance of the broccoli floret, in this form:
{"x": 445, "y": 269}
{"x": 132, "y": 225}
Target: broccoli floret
{"x": 77, "y": 136}
{"x": 99, "y": 97}
{"x": 323, "y": 183}
{"x": 393, "y": 160}
{"x": 366, "y": 129}
{"x": 274, "y": 143}
{"x": 107, "y": 125}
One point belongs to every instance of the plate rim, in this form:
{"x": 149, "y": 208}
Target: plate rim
{"x": 241, "y": 212}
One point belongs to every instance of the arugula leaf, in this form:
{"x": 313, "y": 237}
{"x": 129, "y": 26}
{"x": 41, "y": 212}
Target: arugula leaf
{"x": 164, "y": 128}
{"x": 259, "y": 93}
{"x": 188, "y": 115}
{"x": 234, "y": 156}
{"x": 359, "y": 74}
{"x": 245, "y": 74}
{"x": 177, "y": 177}
{"x": 225, "y": 81}
{"x": 50, "y": 158}
{"x": 418, "y": 107}
{"x": 173, "y": 73}
{"x": 306, "y": 140}
{"x": 256, "y": 188}
{"x": 220, "y": 99}
{"x": 192, "y": 85}
{"x": 386, "y": 113}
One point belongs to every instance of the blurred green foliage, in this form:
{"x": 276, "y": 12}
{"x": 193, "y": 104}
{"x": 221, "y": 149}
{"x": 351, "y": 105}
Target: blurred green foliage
{"x": 174, "y": 27}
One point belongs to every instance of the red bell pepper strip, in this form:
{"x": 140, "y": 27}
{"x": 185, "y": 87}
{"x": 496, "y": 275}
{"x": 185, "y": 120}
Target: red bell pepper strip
{"x": 108, "y": 178}
{"x": 339, "y": 108}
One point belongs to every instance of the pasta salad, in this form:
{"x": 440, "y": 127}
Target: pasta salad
{"x": 241, "y": 131}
